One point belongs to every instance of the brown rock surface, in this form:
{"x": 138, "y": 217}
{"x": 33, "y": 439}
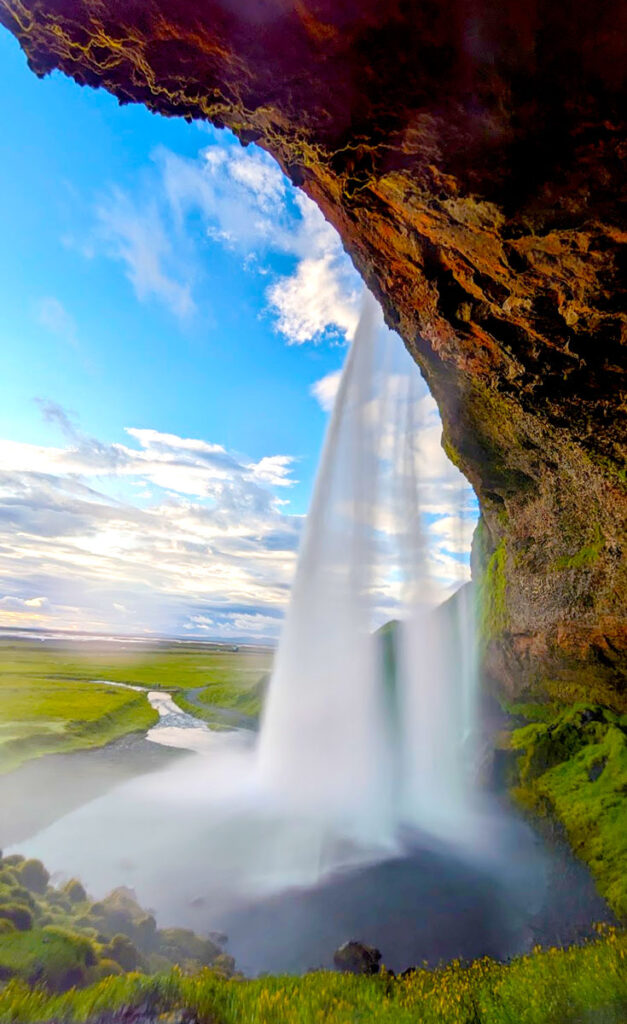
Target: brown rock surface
{"x": 471, "y": 153}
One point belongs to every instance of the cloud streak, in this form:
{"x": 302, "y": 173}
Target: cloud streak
{"x": 197, "y": 528}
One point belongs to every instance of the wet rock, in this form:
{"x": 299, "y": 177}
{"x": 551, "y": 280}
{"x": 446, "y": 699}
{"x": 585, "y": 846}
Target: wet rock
{"x": 357, "y": 958}
{"x": 595, "y": 770}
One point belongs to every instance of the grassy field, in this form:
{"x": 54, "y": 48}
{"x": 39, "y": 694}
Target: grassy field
{"x": 580, "y": 985}
{"x": 50, "y": 704}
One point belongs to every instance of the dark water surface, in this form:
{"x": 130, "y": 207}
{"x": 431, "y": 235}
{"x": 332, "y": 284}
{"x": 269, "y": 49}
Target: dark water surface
{"x": 429, "y": 906}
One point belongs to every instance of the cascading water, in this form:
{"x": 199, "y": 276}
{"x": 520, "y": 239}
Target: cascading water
{"x": 366, "y": 755}
{"x": 371, "y": 733}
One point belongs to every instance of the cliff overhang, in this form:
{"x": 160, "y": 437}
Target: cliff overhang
{"x": 472, "y": 156}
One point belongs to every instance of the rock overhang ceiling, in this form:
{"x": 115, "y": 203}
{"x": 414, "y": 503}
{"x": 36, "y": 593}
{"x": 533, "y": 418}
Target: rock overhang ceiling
{"x": 472, "y": 156}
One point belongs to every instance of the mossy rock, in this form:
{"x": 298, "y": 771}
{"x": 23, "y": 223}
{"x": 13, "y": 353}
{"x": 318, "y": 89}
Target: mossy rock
{"x": 75, "y": 891}
{"x": 13, "y": 860}
{"x": 575, "y": 768}
{"x": 70, "y": 937}
{"x": 120, "y": 913}
{"x": 8, "y": 877}
{"x": 34, "y": 876}
{"x": 18, "y": 914}
{"x": 107, "y": 968}
{"x": 52, "y": 957}
{"x": 181, "y": 944}
{"x": 123, "y": 952}
{"x": 546, "y": 744}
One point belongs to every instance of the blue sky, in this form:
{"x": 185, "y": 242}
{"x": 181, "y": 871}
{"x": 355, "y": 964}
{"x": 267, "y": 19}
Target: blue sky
{"x": 174, "y": 317}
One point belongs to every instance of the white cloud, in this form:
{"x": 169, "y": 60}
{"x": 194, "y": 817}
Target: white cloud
{"x": 236, "y": 626}
{"x": 325, "y": 390}
{"x": 108, "y": 536}
{"x": 136, "y": 235}
{"x": 313, "y": 301}
{"x": 273, "y": 470}
{"x": 22, "y": 605}
{"x": 244, "y": 202}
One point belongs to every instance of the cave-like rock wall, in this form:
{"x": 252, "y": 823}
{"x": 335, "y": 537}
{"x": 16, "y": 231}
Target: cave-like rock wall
{"x": 472, "y": 154}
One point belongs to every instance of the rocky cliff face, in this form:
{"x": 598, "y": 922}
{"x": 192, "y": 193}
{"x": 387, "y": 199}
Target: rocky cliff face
{"x": 472, "y": 154}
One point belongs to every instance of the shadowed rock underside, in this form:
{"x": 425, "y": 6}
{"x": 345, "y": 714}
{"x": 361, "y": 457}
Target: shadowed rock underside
{"x": 471, "y": 153}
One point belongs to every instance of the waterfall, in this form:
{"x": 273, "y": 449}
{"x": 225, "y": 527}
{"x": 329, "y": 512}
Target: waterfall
{"x": 365, "y": 753}
{"x": 371, "y": 730}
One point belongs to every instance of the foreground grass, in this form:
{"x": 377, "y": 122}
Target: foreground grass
{"x": 580, "y": 984}
{"x": 50, "y": 704}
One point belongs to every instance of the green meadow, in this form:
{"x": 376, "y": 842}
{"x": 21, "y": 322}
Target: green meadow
{"x": 56, "y": 699}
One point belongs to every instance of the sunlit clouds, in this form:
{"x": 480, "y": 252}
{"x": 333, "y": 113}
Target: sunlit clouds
{"x": 168, "y": 535}
{"x": 246, "y": 204}
{"x": 159, "y": 532}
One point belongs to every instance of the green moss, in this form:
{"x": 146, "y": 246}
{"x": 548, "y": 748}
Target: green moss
{"x": 532, "y": 711}
{"x": 49, "y": 956}
{"x": 34, "y": 876}
{"x": 575, "y": 767}
{"x": 493, "y": 613}
{"x": 616, "y": 471}
{"x": 75, "y": 891}
{"x": 451, "y": 451}
{"x": 123, "y": 952}
{"x": 61, "y": 923}
{"x": 586, "y": 555}
{"x": 18, "y": 914}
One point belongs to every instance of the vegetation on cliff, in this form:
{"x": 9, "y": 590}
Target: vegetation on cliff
{"x": 59, "y": 938}
{"x": 572, "y": 765}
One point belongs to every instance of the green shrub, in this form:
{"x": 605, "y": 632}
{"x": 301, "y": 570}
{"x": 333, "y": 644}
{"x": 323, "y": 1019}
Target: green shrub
{"x": 75, "y": 891}
{"x": 106, "y": 968}
{"x": 20, "y": 915}
{"x": 52, "y": 957}
{"x": 13, "y": 860}
{"x": 34, "y": 876}
{"x": 122, "y": 950}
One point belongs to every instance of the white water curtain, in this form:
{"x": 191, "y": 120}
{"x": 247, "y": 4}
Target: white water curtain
{"x": 333, "y": 743}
